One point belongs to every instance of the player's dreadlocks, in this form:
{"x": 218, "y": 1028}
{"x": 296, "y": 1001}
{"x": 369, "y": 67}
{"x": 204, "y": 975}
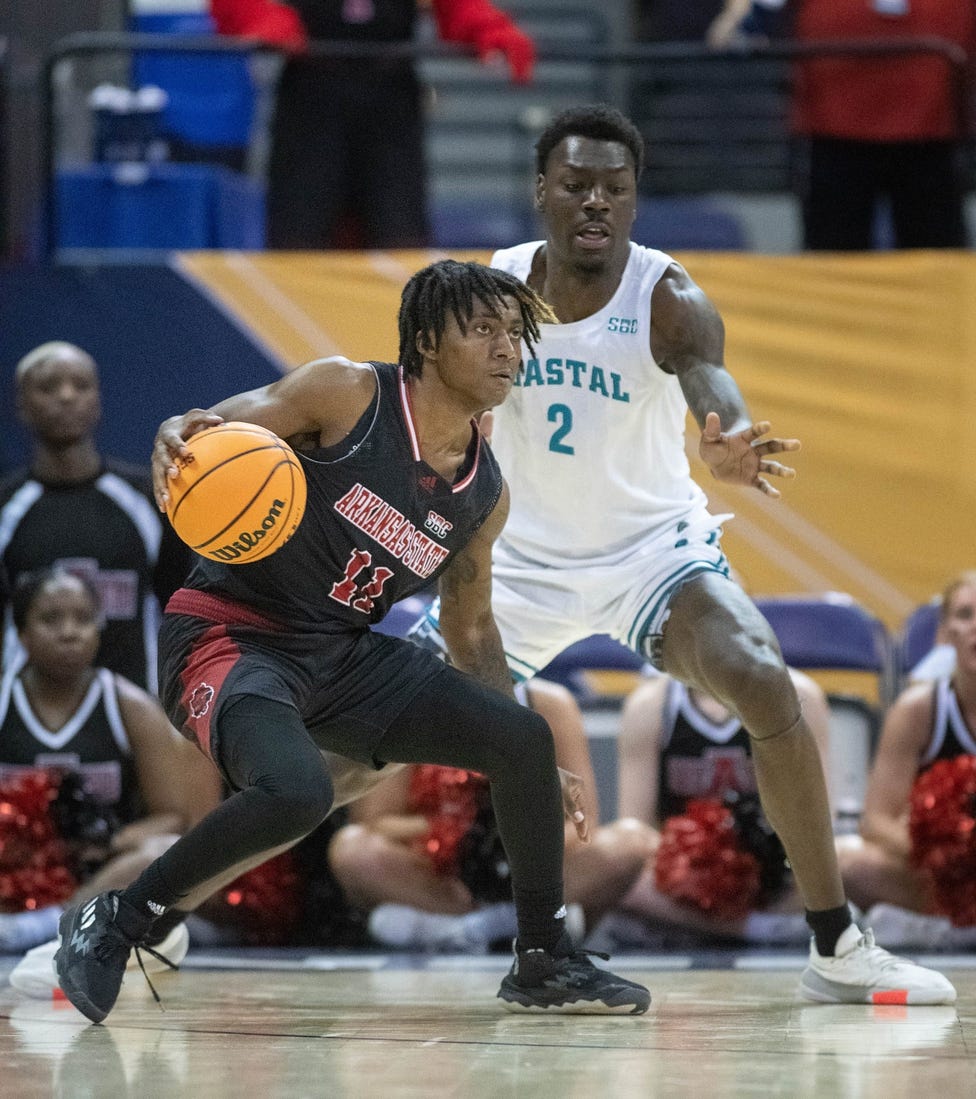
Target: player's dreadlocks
{"x": 450, "y": 285}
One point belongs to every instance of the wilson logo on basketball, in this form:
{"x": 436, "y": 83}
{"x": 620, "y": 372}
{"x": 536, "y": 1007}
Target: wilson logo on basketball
{"x": 246, "y": 541}
{"x": 238, "y": 494}
{"x": 199, "y": 702}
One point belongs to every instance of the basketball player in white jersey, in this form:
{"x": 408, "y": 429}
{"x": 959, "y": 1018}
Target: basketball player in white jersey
{"x": 609, "y": 534}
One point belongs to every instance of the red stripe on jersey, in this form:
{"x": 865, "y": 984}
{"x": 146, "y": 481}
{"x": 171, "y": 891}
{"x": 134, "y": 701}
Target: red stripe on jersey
{"x": 217, "y": 608}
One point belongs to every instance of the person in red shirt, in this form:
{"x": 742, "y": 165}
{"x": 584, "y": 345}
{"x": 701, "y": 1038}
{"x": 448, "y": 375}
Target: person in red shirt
{"x": 347, "y": 163}
{"x": 879, "y": 128}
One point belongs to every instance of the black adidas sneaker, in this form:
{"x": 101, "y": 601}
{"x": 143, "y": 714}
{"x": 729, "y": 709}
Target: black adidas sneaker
{"x": 93, "y": 954}
{"x": 564, "y": 980}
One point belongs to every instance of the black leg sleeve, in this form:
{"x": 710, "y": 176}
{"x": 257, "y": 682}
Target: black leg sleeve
{"x": 284, "y": 793}
{"x": 457, "y": 722}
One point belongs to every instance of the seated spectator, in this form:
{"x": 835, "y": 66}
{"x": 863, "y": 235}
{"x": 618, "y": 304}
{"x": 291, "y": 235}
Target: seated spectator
{"x": 678, "y": 747}
{"x": 422, "y": 854}
{"x": 127, "y": 782}
{"x": 929, "y": 722}
{"x": 93, "y": 515}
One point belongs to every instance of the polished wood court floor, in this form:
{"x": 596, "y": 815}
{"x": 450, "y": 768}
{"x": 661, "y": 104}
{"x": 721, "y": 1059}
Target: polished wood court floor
{"x": 357, "y": 1027}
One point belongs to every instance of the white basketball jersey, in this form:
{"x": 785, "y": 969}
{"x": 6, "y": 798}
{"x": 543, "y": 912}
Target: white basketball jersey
{"x": 591, "y": 439}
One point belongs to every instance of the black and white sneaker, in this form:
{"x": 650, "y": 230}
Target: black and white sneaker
{"x": 93, "y": 955}
{"x": 564, "y": 980}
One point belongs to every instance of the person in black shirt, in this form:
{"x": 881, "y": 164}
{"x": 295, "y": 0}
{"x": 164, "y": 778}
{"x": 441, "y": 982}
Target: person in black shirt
{"x": 135, "y": 783}
{"x": 347, "y": 164}
{"x": 267, "y": 664}
{"x": 89, "y": 514}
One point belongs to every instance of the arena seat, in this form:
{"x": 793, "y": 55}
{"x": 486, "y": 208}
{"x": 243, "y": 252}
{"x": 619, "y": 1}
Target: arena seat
{"x": 595, "y": 669}
{"x": 458, "y": 223}
{"x": 827, "y": 631}
{"x": 212, "y": 97}
{"x": 158, "y": 206}
{"x": 917, "y": 636}
{"x": 687, "y": 223}
{"x": 831, "y": 632}
{"x": 403, "y": 615}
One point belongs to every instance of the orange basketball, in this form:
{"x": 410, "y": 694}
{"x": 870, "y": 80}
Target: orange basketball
{"x": 239, "y": 494}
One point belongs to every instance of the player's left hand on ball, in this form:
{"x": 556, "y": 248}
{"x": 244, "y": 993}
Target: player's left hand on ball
{"x": 170, "y": 444}
{"x": 742, "y": 457}
{"x": 572, "y": 787}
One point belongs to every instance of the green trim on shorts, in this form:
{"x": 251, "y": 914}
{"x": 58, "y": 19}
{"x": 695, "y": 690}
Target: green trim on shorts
{"x": 664, "y": 592}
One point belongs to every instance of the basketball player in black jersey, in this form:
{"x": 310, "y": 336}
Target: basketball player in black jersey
{"x": 266, "y": 664}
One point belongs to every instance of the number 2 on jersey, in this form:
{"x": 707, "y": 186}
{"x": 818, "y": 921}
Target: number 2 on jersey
{"x": 563, "y": 415}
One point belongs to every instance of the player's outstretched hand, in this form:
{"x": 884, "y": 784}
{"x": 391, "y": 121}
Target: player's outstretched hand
{"x": 572, "y": 786}
{"x": 742, "y": 458}
{"x": 170, "y": 445}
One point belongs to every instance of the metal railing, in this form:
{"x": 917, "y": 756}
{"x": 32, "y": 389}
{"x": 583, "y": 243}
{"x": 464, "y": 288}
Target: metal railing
{"x": 631, "y": 57}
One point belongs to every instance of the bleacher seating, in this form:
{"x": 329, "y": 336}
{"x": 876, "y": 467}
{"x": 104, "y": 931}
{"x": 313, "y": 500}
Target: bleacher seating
{"x": 158, "y": 206}
{"x": 211, "y": 96}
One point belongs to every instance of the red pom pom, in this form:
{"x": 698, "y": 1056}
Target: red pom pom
{"x": 700, "y": 861}
{"x": 33, "y": 856}
{"x": 448, "y": 797}
{"x": 265, "y": 903}
{"x": 942, "y": 829}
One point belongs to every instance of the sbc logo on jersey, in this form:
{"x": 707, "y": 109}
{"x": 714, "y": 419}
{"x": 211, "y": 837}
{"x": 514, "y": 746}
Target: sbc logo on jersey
{"x": 199, "y": 701}
{"x": 437, "y": 524}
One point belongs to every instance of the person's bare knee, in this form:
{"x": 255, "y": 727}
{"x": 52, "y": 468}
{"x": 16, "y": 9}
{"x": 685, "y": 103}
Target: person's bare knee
{"x": 716, "y": 640}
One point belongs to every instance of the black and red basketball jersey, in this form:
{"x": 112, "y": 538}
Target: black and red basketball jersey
{"x": 379, "y": 523}
{"x": 92, "y": 743}
{"x": 951, "y": 736}
{"x": 699, "y": 758}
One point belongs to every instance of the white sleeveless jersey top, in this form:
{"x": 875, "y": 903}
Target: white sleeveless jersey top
{"x": 592, "y": 438}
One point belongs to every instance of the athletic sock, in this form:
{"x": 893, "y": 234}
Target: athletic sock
{"x": 827, "y": 925}
{"x": 541, "y": 917}
{"x": 148, "y": 897}
{"x": 166, "y": 923}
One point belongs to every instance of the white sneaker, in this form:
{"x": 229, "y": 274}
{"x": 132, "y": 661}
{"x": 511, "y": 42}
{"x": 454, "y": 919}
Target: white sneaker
{"x": 407, "y": 928}
{"x": 399, "y": 925}
{"x": 35, "y": 976}
{"x": 862, "y": 973}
